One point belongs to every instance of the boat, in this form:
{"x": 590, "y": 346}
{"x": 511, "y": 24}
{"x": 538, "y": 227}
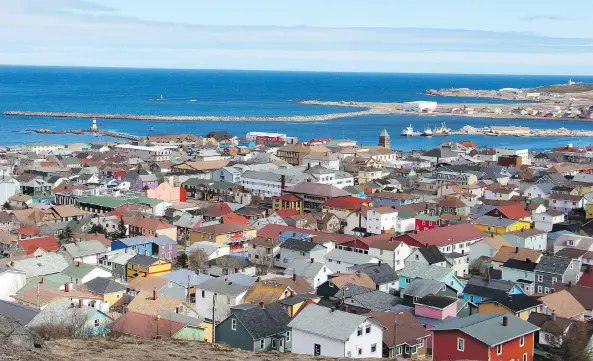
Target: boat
{"x": 408, "y": 132}
{"x": 442, "y": 130}
{"x": 427, "y": 132}
{"x": 159, "y": 99}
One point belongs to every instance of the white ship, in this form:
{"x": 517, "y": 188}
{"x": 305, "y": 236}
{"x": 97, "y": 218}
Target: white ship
{"x": 442, "y": 130}
{"x": 409, "y": 131}
{"x": 427, "y": 132}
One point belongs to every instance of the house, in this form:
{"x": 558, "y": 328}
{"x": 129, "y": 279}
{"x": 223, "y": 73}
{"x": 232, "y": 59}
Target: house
{"x": 545, "y": 221}
{"x": 582, "y": 294}
{"x": 381, "y": 220}
{"x": 20, "y": 200}
{"x": 452, "y": 238}
{"x": 518, "y": 305}
{"x": 499, "y": 225}
{"x": 390, "y": 249}
{"x": 521, "y": 273}
{"x": 218, "y": 296}
{"x": 87, "y": 321}
{"x": 360, "y": 300}
{"x": 343, "y": 206}
{"x": 440, "y": 155}
{"x": 490, "y": 336}
{"x": 522, "y": 254}
{"x": 80, "y": 273}
{"x": 562, "y": 304}
{"x": 436, "y": 307}
{"x": 167, "y": 324}
{"x": 500, "y": 194}
{"x": 539, "y": 190}
{"x": 340, "y": 260}
{"x": 20, "y": 313}
{"x": 315, "y": 273}
{"x": 292, "y": 250}
{"x": 480, "y": 289}
{"x": 552, "y": 269}
{"x": 11, "y": 280}
{"x": 403, "y": 335}
{"x": 257, "y": 329}
{"x": 86, "y": 251}
{"x": 145, "y": 266}
{"x": 45, "y": 296}
{"x": 287, "y": 201}
{"x": 424, "y": 222}
{"x": 381, "y": 273}
{"x": 339, "y": 281}
{"x": 419, "y": 288}
{"x": 527, "y": 238}
{"x": 416, "y": 270}
{"x": 150, "y": 227}
{"x": 452, "y": 205}
{"x": 315, "y": 194}
{"x": 486, "y": 248}
{"x": 164, "y": 247}
{"x": 322, "y": 331}
{"x": 48, "y": 244}
{"x": 234, "y": 234}
{"x": 140, "y": 244}
{"x": 390, "y": 199}
{"x": 111, "y": 292}
{"x": 516, "y": 211}
{"x": 553, "y": 329}
{"x": 266, "y": 292}
{"x": 430, "y": 255}
{"x": 566, "y": 202}
{"x": 42, "y": 265}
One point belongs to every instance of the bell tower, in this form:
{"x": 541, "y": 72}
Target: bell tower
{"x": 385, "y": 139}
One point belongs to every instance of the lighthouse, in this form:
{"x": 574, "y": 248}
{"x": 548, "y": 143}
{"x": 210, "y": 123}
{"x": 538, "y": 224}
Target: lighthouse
{"x": 94, "y": 126}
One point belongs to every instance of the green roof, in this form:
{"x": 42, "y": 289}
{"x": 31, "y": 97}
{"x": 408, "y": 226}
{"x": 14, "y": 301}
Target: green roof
{"x": 103, "y": 201}
{"x": 427, "y": 217}
{"x": 222, "y": 185}
{"x": 196, "y": 182}
{"x": 50, "y": 281}
{"x": 78, "y": 270}
{"x": 352, "y": 189}
{"x": 145, "y": 200}
{"x": 407, "y": 215}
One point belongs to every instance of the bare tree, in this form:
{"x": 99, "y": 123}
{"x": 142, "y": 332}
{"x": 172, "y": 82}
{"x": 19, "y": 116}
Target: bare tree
{"x": 227, "y": 263}
{"x": 263, "y": 262}
{"x": 197, "y": 260}
{"x": 479, "y": 267}
{"x": 572, "y": 346}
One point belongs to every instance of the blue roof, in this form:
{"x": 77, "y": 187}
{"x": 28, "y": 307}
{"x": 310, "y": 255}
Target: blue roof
{"x": 241, "y": 279}
{"x": 160, "y": 240}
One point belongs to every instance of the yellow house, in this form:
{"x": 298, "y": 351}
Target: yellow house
{"x": 517, "y": 305}
{"x": 287, "y": 201}
{"x": 589, "y": 211}
{"x": 366, "y": 175}
{"x": 145, "y": 266}
{"x": 225, "y": 233}
{"x": 267, "y": 292}
{"x": 294, "y": 304}
{"x": 497, "y": 225}
{"x": 111, "y": 291}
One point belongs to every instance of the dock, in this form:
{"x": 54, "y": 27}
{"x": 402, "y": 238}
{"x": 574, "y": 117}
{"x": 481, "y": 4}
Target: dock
{"x": 88, "y": 131}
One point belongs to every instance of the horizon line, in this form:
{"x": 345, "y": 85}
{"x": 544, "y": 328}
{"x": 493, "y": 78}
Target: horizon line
{"x": 283, "y": 70}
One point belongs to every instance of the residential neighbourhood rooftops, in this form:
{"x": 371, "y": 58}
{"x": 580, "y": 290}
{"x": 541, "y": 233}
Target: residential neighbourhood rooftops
{"x": 563, "y": 304}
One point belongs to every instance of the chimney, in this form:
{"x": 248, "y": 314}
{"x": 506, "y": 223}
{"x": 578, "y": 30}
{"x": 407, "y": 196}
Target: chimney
{"x": 155, "y": 295}
{"x": 237, "y": 270}
{"x": 517, "y": 249}
{"x": 345, "y": 308}
{"x": 294, "y": 277}
{"x": 332, "y": 309}
{"x": 491, "y": 235}
{"x": 553, "y": 316}
{"x": 77, "y": 263}
{"x": 125, "y": 309}
{"x": 569, "y": 284}
{"x": 282, "y": 182}
{"x": 312, "y": 260}
{"x": 505, "y": 321}
{"x": 379, "y": 263}
{"x": 261, "y": 305}
{"x": 80, "y": 304}
{"x": 176, "y": 309}
{"x": 66, "y": 287}
{"x": 42, "y": 280}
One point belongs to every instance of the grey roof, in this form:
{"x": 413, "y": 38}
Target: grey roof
{"x": 482, "y": 286}
{"x": 263, "y": 322}
{"x": 350, "y": 290}
{"x": 104, "y": 286}
{"x": 220, "y": 286}
{"x": 488, "y": 327}
{"x": 379, "y": 273}
{"x": 348, "y": 256}
{"x": 60, "y": 311}
{"x": 184, "y": 276}
{"x": 422, "y": 287}
{"x": 432, "y": 254}
{"x": 375, "y": 301}
{"x": 85, "y": 248}
{"x": 384, "y": 133}
{"x": 305, "y": 268}
{"x": 420, "y": 270}
{"x": 143, "y": 260}
{"x": 481, "y": 209}
{"x": 43, "y": 265}
{"x": 163, "y": 240}
{"x": 495, "y": 221}
{"x": 241, "y": 279}
{"x": 323, "y": 321}
{"x": 440, "y": 153}
{"x": 298, "y": 245}
{"x": 553, "y": 264}
{"x": 188, "y": 320}
{"x": 148, "y": 177}
{"x": 21, "y": 313}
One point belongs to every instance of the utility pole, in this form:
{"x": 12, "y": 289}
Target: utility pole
{"x": 213, "y": 320}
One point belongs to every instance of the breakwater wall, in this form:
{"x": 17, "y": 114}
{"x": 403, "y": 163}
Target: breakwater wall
{"x": 192, "y": 118}
{"x": 84, "y": 131}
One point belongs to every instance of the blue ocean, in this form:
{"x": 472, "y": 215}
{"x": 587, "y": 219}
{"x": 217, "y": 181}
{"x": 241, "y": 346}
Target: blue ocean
{"x": 251, "y": 93}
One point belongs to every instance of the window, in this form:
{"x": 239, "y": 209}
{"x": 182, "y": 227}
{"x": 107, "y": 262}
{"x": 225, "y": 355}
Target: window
{"x": 421, "y": 343}
{"x": 374, "y": 348}
{"x": 540, "y": 278}
{"x": 460, "y": 344}
{"x": 262, "y": 343}
{"x": 274, "y": 344}
{"x": 414, "y": 350}
{"x": 97, "y": 323}
{"x": 408, "y": 280}
{"x": 499, "y": 350}
{"x": 203, "y": 294}
{"x": 525, "y": 357}
{"x": 367, "y": 329}
{"x": 571, "y": 266}
{"x": 522, "y": 341}
{"x": 360, "y": 351}
{"x": 547, "y": 290}
{"x": 234, "y": 324}
{"x": 359, "y": 331}
{"x": 539, "y": 289}
{"x": 316, "y": 349}
{"x": 399, "y": 350}
{"x": 288, "y": 336}
{"x": 554, "y": 280}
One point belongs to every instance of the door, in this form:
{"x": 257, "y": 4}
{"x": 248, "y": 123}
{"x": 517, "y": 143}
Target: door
{"x": 317, "y": 350}
{"x": 281, "y": 345}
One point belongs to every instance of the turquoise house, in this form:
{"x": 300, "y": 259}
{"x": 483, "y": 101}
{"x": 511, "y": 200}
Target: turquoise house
{"x": 436, "y": 273}
{"x": 87, "y": 320}
{"x": 480, "y": 289}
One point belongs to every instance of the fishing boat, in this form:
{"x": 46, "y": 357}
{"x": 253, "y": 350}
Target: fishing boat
{"x": 442, "y": 130}
{"x": 427, "y": 132}
{"x": 159, "y": 99}
{"x": 408, "y": 132}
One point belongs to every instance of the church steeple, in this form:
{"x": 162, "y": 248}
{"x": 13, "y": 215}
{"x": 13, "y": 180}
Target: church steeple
{"x": 385, "y": 139}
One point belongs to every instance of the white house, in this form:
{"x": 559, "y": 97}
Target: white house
{"x": 327, "y": 160}
{"x": 218, "y": 295}
{"x": 80, "y": 273}
{"x": 389, "y": 251}
{"x": 566, "y": 202}
{"x": 356, "y": 223}
{"x": 315, "y": 273}
{"x": 323, "y": 331}
{"x": 523, "y": 153}
{"x": 227, "y": 174}
{"x": 487, "y": 247}
{"x": 459, "y": 263}
{"x": 11, "y": 280}
{"x": 8, "y": 188}
{"x": 381, "y": 219}
{"x": 340, "y": 260}
{"x": 268, "y": 183}
{"x": 500, "y": 194}
{"x": 263, "y": 250}
{"x": 292, "y": 250}
{"x": 153, "y": 154}
{"x": 528, "y": 238}
{"x": 546, "y": 221}
{"x": 211, "y": 249}
{"x": 42, "y": 148}
{"x": 540, "y": 190}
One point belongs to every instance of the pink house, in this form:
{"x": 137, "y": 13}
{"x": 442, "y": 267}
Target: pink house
{"x": 436, "y": 307}
{"x": 165, "y": 192}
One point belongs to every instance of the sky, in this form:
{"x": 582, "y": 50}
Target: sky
{"x": 430, "y": 36}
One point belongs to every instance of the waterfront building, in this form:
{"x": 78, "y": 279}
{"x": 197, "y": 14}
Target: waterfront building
{"x": 420, "y": 106}
{"x": 147, "y": 153}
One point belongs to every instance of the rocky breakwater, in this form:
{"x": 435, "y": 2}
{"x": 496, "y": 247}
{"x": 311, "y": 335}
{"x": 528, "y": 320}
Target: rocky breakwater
{"x": 192, "y": 118}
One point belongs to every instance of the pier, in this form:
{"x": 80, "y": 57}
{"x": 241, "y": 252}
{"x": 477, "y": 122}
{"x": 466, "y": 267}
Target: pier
{"x": 86, "y": 131}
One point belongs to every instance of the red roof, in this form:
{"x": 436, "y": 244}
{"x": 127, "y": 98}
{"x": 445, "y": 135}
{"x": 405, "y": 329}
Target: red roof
{"x": 234, "y": 218}
{"x": 442, "y": 236}
{"x": 49, "y": 244}
{"x": 512, "y": 211}
{"x": 28, "y": 231}
{"x": 274, "y": 230}
{"x": 129, "y": 209}
{"x": 350, "y": 203}
{"x": 218, "y": 210}
{"x": 288, "y": 197}
{"x": 287, "y": 212}
{"x": 132, "y": 323}
{"x": 586, "y": 279}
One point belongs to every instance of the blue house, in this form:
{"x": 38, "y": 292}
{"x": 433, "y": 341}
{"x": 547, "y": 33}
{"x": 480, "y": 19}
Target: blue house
{"x": 245, "y": 143}
{"x": 283, "y": 236}
{"x": 436, "y": 273}
{"x": 480, "y": 289}
{"x": 141, "y": 244}
{"x": 391, "y": 199}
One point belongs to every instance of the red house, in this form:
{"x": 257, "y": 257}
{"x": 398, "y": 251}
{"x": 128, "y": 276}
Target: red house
{"x": 425, "y": 222}
{"x": 265, "y": 139}
{"x": 484, "y": 337}
{"x": 48, "y": 244}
